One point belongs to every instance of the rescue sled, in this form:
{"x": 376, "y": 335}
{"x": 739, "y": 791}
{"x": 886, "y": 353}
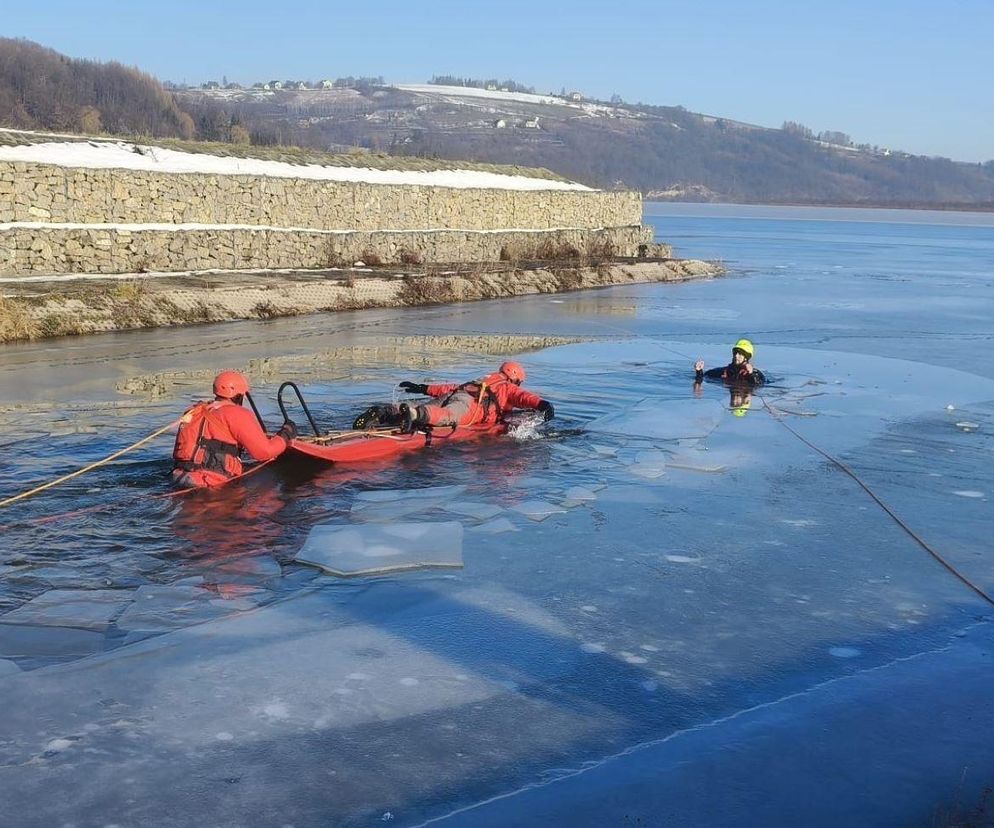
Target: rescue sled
{"x": 345, "y": 447}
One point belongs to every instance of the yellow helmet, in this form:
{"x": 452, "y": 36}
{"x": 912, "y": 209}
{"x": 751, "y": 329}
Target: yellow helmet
{"x": 745, "y": 346}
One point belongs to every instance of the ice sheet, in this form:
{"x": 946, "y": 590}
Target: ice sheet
{"x": 662, "y": 419}
{"x": 538, "y": 510}
{"x": 88, "y": 609}
{"x": 157, "y": 608}
{"x": 478, "y": 511}
{"x": 347, "y": 550}
{"x": 390, "y": 505}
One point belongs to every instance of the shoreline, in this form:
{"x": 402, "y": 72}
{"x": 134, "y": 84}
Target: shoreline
{"x": 67, "y": 306}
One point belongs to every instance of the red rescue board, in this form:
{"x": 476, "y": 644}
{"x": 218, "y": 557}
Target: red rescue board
{"x": 358, "y": 448}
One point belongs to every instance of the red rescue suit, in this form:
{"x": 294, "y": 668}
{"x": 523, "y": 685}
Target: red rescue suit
{"x": 210, "y": 439}
{"x": 481, "y": 402}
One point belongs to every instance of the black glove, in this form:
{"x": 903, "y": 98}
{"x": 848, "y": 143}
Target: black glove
{"x": 546, "y": 408}
{"x": 288, "y": 431}
{"x": 414, "y": 388}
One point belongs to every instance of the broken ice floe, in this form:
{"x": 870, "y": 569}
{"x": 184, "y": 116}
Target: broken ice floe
{"x": 158, "y": 608}
{"x": 496, "y": 526}
{"x": 426, "y": 492}
{"x": 538, "y": 509}
{"x": 8, "y": 668}
{"x": 575, "y": 495}
{"x": 88, "y": 609}
{"x": 478, "y": 511}
{"x": 663, "y": 419}
{"x": 649, "y": 464}
{"x": 349, "y": 549}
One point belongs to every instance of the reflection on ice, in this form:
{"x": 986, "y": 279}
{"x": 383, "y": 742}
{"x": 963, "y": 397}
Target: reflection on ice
{"x": 349, "y": 549}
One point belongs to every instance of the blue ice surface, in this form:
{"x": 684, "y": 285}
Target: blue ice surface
{"x": 706, "y": 603}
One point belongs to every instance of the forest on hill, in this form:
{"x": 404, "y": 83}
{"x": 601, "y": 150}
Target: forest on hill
{"x": 42, "y": 89}
{"x": 666, "y": 152}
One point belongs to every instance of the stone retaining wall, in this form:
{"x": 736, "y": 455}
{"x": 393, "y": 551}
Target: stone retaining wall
{"x": 43, "y": 192}
{"x": 257, "y": 222}
{"x": 40, "y": 251}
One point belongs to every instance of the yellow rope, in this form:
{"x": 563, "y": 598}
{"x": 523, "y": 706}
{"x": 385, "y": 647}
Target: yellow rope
{"x": 777, "y": 415}
{"x": 331, "y": 436}
{"x": 78, "y": 472}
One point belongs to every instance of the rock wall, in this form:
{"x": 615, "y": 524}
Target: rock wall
{"x": 61, "y": 220}
{"x": 40, "y": 251}
{"x": 38, "y": 192}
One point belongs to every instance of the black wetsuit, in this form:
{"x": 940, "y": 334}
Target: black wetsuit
{"x": 732, "y": 374}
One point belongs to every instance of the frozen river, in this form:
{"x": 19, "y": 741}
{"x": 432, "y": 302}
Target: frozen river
{"x": 670, "y": 609}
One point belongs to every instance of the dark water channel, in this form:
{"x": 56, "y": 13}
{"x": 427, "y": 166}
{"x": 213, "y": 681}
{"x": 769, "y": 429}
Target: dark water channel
{"x": 652, "y": 562}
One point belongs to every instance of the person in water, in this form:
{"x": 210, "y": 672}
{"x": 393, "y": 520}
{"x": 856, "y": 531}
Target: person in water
{"x": 480, "y": 402}
{"x": 212, "y": 436}
{"x": 739, "y": 371}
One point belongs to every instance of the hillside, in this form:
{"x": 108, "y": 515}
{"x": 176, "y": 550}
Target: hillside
{"x": 42, "y": 89}
{"x": 664, "y": 152}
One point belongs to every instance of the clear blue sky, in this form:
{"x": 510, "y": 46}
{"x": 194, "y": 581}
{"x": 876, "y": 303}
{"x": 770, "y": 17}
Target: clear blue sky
{"x": 916, "y": 75}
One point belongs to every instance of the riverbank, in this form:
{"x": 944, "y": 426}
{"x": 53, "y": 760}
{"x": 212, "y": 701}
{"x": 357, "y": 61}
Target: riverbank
{"x": 74, "y": 305}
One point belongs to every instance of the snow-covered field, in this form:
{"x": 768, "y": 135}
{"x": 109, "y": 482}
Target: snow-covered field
{"x": 471, "y": 92}
{"x": 122, "y": 155}
{"x": 509, "y": 97}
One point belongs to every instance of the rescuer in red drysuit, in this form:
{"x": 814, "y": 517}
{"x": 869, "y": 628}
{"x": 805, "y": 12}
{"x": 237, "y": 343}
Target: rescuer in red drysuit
{"x": 480, "y": 402}
{"x": 212, "y": 435}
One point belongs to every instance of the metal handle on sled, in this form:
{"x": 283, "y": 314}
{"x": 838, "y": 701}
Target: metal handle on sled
{"x": 303, "y": 405}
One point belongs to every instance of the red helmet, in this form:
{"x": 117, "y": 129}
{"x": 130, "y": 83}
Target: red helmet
{"x": 230, "y": 384}
{"x": 514, "y": 371}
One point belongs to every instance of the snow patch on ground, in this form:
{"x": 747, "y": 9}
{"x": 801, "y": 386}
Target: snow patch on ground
{"x": 121, "y": 155}
{"x": 471, "y": 92}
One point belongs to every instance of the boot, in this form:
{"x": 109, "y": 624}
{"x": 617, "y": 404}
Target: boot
{"x": 412, "y": 419}
{"x": 406, "y": 418}
{"x": 370, "y": 418}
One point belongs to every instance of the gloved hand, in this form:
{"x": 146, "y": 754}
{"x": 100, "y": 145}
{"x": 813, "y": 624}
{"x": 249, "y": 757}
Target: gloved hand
{"x": 414, "y": 388}
{"x": 288, "y": 431}
{"x": 546, "y": 408}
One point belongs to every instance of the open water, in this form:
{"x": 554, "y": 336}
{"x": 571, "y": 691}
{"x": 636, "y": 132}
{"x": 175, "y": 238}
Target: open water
{"x": 670, "y": 610}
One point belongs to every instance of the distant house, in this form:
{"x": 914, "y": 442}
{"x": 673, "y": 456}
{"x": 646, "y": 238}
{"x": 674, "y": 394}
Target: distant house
{"x": 212, "y": 85}
{"x": 531, "y": 123}
{"x": 576, "y": 96}
{"x": 302, "y": 85}
{"x": 275, "y": 85}
{"x": 500, "y": 123}
{"x": 327, "y": 84}
{"x": 491, "y": 87}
